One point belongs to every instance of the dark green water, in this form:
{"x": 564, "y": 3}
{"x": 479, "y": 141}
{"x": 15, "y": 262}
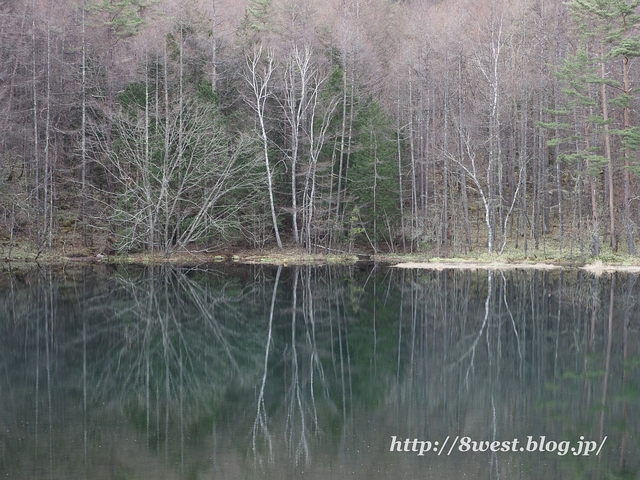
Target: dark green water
{"x": 258, "y": 372}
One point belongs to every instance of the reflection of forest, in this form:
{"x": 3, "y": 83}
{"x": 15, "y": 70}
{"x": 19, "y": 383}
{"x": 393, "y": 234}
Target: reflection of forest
{"x": 190, "y": 373}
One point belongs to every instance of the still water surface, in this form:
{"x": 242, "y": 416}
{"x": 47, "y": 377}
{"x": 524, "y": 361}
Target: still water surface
{"x": 243, "y": 372}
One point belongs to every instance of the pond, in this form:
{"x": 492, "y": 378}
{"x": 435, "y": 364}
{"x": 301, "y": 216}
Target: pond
{"x": 360, "y": 372}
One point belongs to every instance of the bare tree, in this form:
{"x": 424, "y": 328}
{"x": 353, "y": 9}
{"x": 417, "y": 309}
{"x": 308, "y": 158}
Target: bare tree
{"x": 178, "y": 183}
{"x": 481, "y": 186}
{"x": 490, "y": 71}
{"x": 258, "y": 76}
{"x": 297, "y": 100}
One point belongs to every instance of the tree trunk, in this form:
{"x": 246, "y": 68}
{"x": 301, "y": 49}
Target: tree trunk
{"x": 607, "y": 149}
{"x": 36, "y": 133}
{"x": 260, "y": 86}
{"x": 414, "y": 193}
{"x": 400, "y": 196}
{"x": 595, "y": 236}
{"x": 627, "y": 154}
{"x": 445, "y": 170}
{"x": 83, "y": 131}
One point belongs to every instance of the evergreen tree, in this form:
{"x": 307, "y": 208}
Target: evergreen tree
{"x": 256, "y": 21}
{"x": 580, "y": 79}
{"x": 611, "y": 23}
{"x": 373, "y": 181}
{"x": 123, "y": 17}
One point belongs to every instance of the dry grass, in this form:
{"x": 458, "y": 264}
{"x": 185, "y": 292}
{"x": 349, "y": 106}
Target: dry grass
{"x": 551, "y": 256}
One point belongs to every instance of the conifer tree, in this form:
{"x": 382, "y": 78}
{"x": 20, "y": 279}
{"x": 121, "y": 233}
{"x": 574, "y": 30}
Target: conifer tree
{"x": 374, "y": 175}
{"x": 579, "y": 76}
{"x": 614, "y": 21}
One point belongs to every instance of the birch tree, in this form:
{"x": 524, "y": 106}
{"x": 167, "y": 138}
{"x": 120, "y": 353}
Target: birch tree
{"x": 258, "y": 74}
{"x": 308, "y": 118}
{"x": 472, "y": 172}
{"x": 489, "y": 67}
{"x": 297, "y": 102}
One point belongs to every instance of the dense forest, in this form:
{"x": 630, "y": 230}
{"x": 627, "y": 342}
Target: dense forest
{"x": 391, "y": 126}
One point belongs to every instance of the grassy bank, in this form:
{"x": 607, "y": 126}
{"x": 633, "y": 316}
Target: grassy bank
{"x": 25, "y": 255}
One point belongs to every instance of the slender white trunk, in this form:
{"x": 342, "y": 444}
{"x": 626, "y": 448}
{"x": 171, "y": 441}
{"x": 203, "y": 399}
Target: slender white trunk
{"x": 214, "y": 48}
{"x": 36, "y": 145}
{"x": 259, "y": 83}
{"x": 146, "y": 171}
{"x": 47, "y": 200}
{"x": 414, "y": 189}
{"x": 297, "y": 77}
{"x": 83, "y": 174}
{"x": 400, "y": 195}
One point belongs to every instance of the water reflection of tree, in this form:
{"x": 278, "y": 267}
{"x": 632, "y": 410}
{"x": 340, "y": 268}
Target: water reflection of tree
{"x": 293, "y": 361}
{"x": 505, "y": 360}
{"x": 260, "y": 424}
{"x": 301, "y": 334}
{"x": 170, "y": 339}
{"x": 304, "y": 352}
{"x": 36, "y": 326}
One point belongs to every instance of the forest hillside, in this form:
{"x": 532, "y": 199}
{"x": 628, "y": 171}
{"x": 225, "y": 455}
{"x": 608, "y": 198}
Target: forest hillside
{"x": 378, "y": 125}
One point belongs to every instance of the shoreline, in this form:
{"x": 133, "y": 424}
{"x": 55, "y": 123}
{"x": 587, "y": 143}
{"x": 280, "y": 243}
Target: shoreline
{"x": 597, "y": 267}
{"x": 297, "y": 256}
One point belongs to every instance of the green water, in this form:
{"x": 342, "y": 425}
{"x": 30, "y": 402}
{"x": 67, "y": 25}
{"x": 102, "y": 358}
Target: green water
{"x": 253, "y": 372}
